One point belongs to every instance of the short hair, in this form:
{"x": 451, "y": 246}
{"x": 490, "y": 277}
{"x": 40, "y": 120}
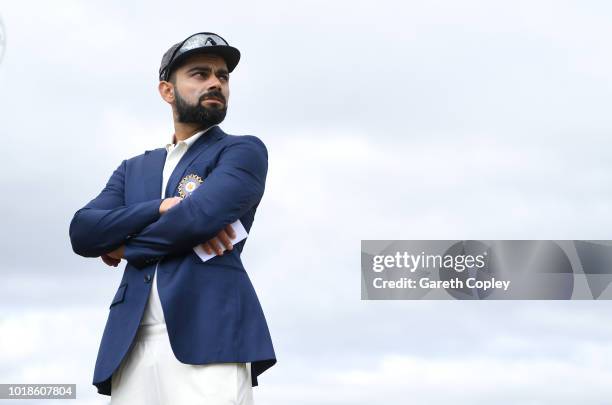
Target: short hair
{"x": 172, "y": 77}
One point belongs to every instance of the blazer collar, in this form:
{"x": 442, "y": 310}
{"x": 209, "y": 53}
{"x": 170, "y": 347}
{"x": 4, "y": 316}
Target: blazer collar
{"x": 212, "y": 135}
{"x": 155, "y": 159}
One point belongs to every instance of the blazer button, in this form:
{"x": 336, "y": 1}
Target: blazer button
{"x": 147, "y": 278}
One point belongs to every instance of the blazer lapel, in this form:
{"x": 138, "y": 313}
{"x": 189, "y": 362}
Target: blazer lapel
{"x": 199, "y": 146}
{"x": 153, "y": 168}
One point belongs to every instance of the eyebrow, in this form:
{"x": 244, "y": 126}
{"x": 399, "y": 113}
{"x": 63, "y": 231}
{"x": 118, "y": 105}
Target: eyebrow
{"x": 207, "y": 69}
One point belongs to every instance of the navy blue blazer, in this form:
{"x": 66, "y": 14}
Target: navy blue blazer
{"x": 211, "y": 309}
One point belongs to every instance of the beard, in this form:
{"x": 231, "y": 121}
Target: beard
{"x": 199, "y": 114}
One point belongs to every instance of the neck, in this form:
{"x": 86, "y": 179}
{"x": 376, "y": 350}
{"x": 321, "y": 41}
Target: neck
{"x": 183, "y": 131}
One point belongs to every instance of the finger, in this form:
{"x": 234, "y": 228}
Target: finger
{"x": 206, "y": 248}
{"x": 110, "y": 261}
{"x": 225, "y": 240}
{"x": 230, "y": 231}
{"x": 175, "y": 201}
{"x": 214, "y": 242}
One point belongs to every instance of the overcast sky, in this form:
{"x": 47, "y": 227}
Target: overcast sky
{"x": 383, "y": 120}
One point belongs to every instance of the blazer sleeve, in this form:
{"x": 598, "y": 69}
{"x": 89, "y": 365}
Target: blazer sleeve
{"x": 106, "y": 222}
{"x": 234, "y": 186}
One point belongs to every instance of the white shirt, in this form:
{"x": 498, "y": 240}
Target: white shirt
{"x": 153, "y": 313}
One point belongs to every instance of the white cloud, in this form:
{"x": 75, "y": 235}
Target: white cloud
{"x": 52, "y": 346}
{"x": 383, "y": 120}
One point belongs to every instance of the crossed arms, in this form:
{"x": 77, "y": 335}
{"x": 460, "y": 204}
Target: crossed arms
{"x": 143, "y": 235}
{"x": 223, "y": 237}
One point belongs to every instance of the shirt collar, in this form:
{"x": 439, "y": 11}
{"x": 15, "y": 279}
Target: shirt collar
{"x": 189, "y": 141}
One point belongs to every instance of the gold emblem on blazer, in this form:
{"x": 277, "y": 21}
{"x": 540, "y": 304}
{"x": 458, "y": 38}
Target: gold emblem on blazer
{"x": 188, "y": 185}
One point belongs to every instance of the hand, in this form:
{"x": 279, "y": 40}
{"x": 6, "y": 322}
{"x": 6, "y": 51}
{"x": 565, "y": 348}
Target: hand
{"x": 168, "y": 203}
{"x": 223, "y": 237}
{"x": 110, "y": 261}
{"x": 116, "y": 254}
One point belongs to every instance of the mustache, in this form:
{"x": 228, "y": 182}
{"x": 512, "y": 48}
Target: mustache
{"x": 213, "y": 94}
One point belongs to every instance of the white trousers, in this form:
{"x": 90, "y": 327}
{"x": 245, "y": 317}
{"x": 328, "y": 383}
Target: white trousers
{"x": 150, "y": 374}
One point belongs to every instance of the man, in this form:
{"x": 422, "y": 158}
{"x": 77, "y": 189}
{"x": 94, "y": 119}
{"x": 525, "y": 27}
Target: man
{"x": 182, "y": 330}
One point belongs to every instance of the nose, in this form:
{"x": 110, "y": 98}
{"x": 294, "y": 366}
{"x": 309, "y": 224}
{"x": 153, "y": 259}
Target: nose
{"x": 215, "y": 83}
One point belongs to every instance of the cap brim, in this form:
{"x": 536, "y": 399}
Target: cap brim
{"x": 230, "y": 54}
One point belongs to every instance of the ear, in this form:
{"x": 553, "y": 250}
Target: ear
{"x": 166, "y": 91}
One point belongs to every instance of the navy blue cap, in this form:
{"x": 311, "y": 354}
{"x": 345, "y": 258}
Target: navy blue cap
{"x": 201, "y": 42}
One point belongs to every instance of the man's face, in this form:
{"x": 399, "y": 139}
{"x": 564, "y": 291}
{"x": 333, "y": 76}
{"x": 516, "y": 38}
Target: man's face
{"x": 201, "y": 90}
